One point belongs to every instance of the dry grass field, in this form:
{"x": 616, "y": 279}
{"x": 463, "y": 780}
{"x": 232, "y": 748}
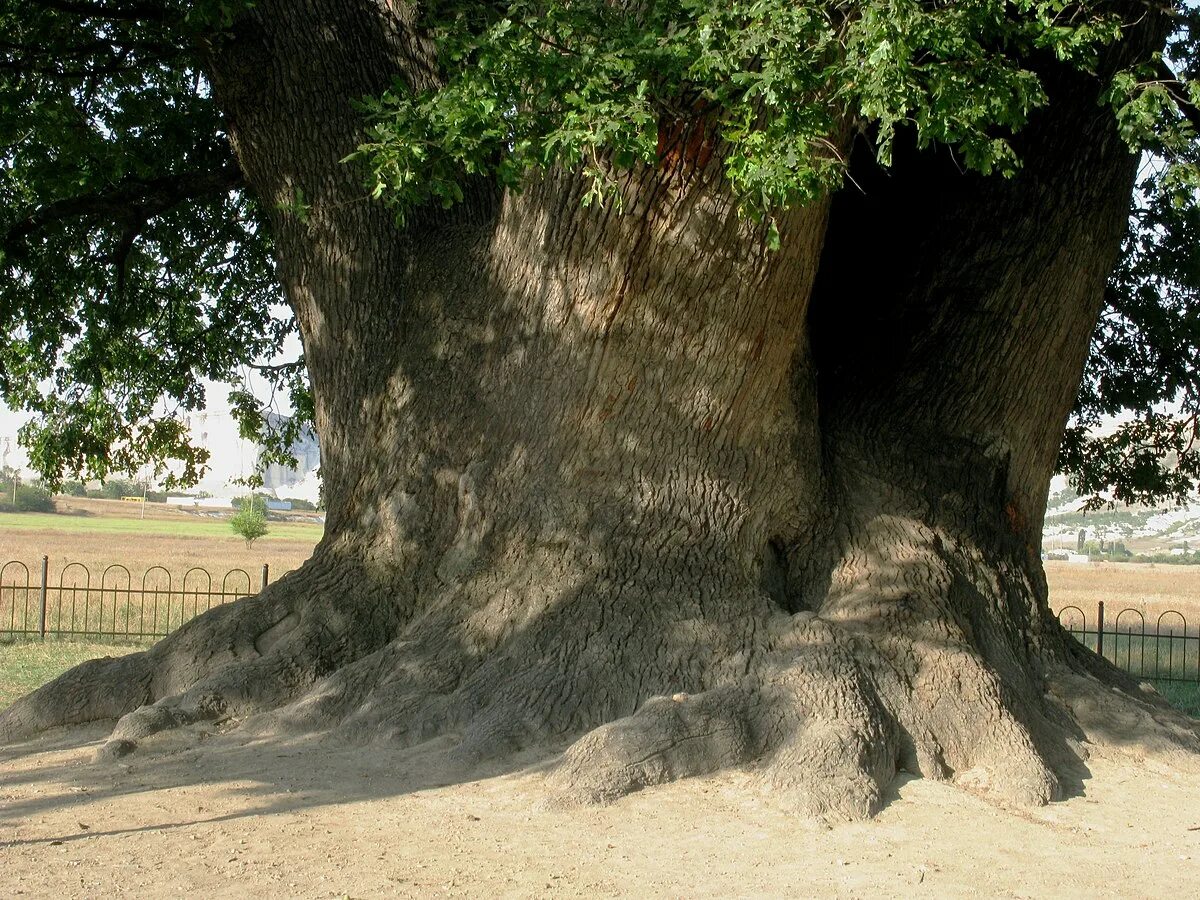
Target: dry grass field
{"x": 1148, "y": 588}
{"x": 176, "y": 552}
{"x": 100, "y": 533}
{"x": 113, "y": 575}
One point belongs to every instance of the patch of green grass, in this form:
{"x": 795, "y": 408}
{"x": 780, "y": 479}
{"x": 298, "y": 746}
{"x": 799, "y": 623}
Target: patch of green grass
{"x": 1183, "y": 696}
{"x": 114, "y": 525}
{"x": 25, "y": 665}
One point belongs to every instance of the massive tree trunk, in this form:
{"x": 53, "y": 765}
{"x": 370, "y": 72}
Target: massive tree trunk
{"x": 626, "y": 477}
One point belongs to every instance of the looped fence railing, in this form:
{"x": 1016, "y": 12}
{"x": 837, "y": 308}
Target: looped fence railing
{"x": 115, "y": 604}
{"x": 1165, "y": 649}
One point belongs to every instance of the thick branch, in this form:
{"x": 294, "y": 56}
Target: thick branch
{"x": 130, "y": 202}
{"x": 1178, "y": 91}
{"x": 132, "y": 12}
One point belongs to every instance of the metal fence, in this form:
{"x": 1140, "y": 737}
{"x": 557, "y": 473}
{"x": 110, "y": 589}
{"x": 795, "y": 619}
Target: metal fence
{"x": 113, "y": 603}
{"x": 1162, "y": 648}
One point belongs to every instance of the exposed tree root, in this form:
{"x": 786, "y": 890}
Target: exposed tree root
{"x": 823, "y": 714}
{"x": 667, "y": 739}
{"x": 233, "y": 661}
{"x": 828, "y": 724}
{"x": 1110, "y": 709}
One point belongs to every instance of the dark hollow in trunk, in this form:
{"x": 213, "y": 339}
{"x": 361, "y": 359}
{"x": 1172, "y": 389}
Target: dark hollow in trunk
{"x": 633, "y": 481}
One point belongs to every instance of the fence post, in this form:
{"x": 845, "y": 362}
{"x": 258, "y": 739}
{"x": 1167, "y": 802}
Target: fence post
{"x": 42, "y": 619}
{"x": 266, "y": 575}
{"x": 1100, "y": 628}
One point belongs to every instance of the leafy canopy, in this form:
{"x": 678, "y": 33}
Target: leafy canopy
{"x": 1144, "y": 365}
{"x": 135, "y": 266}
{"x": 589, "y": 84}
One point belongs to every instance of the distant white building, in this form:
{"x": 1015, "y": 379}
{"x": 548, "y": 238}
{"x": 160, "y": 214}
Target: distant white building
{"x": 282, "y": 479}
{"x": 232, "y": 458}
{"x": 201, "y": 502}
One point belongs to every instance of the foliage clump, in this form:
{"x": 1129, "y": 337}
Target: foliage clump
{"x": 601, "y": 86}
{"x": 133, "y": 265}
{"x": 250, "y": 521}
{"x": 25, "y": 498}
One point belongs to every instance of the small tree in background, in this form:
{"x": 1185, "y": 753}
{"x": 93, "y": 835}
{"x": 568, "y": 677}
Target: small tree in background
{"x": 250, "y": 521}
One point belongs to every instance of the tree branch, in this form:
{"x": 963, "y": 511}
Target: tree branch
{"x": 1179, "y": 94}
{"x": 129, "y": 202}
{"x": 134, "y": 12}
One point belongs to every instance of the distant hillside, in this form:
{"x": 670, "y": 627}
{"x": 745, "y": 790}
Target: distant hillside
{"x": 1141, "y": 529}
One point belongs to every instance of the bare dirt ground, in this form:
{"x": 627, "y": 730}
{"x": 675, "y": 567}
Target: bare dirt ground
{"x": 230, "y": 816}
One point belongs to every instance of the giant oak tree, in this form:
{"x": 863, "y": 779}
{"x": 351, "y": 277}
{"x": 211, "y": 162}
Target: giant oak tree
{"x": 689, "y": 377}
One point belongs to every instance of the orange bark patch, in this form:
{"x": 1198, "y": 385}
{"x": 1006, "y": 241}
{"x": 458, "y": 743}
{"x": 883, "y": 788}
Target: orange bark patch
{"x": 1017, "y": 523}
{"x": 688, "y": 141}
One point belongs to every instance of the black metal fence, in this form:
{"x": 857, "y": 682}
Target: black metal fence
{"x": 1163, "y": 647}
{"x": 112, "y": 604}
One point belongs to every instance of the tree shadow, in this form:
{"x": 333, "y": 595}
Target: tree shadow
{"x": 269, "y": 776}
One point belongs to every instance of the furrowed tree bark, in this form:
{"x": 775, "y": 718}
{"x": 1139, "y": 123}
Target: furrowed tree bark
{"x": 632, "y": 480}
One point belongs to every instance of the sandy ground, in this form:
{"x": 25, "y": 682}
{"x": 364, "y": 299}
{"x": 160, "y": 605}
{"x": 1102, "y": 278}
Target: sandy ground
{"x": 231, "y": 816}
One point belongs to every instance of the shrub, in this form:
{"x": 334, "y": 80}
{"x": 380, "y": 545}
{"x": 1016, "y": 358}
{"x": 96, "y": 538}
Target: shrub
{"x": 250, "y": 521}
{"x": 1170, "y": 559}
{"x": 29, "y": 498}
{"x": 34, "y": 498}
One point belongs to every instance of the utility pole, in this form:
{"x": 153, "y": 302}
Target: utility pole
{"x": 4, "y": 465}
